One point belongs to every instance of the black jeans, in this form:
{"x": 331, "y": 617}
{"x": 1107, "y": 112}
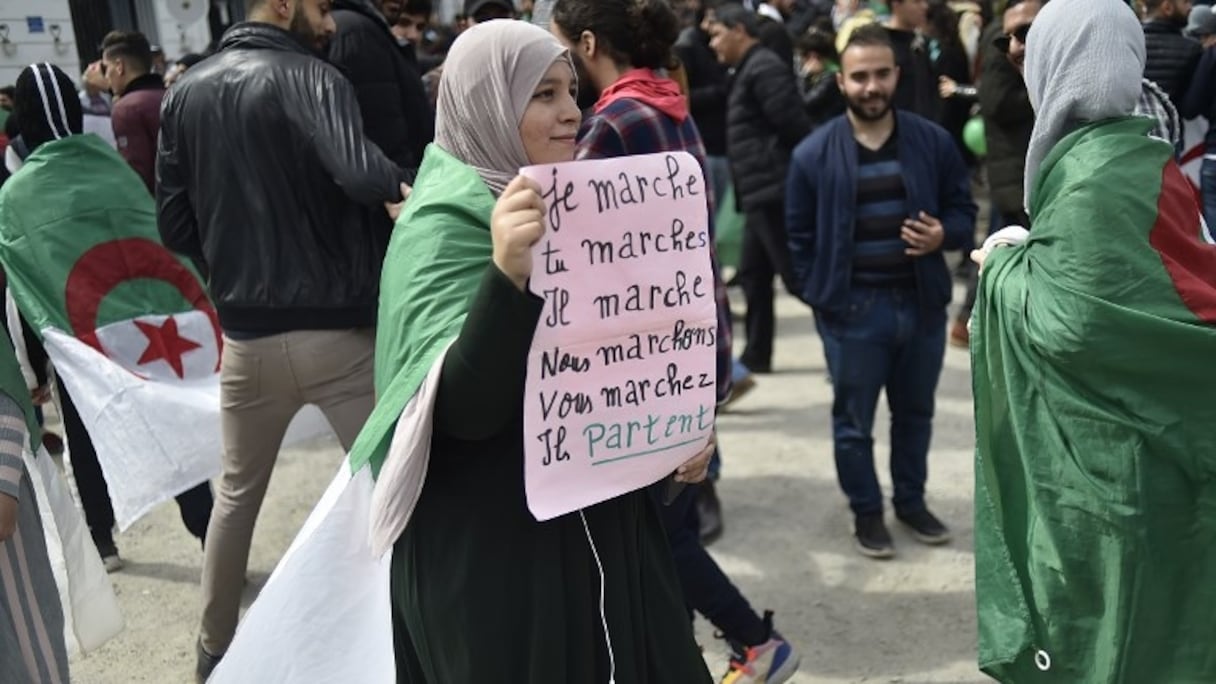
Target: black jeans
{"x": 195, "y": 504}
{"x": 707, "y": 589}
{"x": 765, "y": 254}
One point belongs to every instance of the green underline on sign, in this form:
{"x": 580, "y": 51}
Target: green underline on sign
{"x": 647, "y": 453}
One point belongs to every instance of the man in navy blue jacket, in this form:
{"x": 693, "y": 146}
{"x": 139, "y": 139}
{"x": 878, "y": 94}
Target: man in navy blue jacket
{"x": 873, "y": 197}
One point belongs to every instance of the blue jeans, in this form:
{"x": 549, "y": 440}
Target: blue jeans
{"x": 1207, "y": 185}
{"x": 884, "y": 340}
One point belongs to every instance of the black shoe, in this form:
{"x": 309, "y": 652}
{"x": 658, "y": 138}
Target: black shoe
{"x": 872, "y": 537}
{"x": 709, "y": 510}
{"x": 53, "y": 443}
{"x": 108, "y": 550}
{"x": 925, "y": 526}
{"x": 206, "y": 664}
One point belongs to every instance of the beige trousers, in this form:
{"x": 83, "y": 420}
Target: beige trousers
{"x": 263, "y": 383}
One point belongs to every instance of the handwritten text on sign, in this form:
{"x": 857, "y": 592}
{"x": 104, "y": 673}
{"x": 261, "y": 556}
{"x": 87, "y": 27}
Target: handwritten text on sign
{"x": 621, "y": 373}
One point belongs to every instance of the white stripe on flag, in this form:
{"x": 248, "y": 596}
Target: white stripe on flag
{"x": 155, "y": 438}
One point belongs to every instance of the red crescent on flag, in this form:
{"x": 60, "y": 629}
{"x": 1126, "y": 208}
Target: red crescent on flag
{"x": 109, "y": 264}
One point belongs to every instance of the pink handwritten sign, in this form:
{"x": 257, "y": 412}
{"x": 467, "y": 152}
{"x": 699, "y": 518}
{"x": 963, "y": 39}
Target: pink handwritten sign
{"x": 622, "y": 372}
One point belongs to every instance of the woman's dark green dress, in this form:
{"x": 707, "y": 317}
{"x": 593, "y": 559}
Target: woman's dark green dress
{"x": 482, "y": 592}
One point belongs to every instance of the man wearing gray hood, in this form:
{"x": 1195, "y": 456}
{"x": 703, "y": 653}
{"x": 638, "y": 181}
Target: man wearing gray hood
{"x": 1091, "y": 362}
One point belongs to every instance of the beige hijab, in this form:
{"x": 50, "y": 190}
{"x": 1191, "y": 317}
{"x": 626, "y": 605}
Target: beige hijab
{"x": 488, "y": 80}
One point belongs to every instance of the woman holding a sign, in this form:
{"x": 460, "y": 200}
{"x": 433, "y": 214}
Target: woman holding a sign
{"x": 482, "y": 592}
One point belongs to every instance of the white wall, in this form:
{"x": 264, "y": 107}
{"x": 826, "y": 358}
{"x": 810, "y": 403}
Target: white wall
{"x": 177, "y": 39}
{"x": 24, "y": 48}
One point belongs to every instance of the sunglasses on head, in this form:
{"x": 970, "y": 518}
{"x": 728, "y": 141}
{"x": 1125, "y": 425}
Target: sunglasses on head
{"x": 1002, "y": 42}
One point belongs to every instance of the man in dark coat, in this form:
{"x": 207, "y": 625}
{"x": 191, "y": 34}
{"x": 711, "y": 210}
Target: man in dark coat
{"x": 765, "y": 120}
{"x": 396, "y": 114}
{"x": 1172, "y": 57}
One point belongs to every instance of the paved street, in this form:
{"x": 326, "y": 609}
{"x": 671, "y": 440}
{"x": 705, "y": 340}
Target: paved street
{"x": 787, "y": 542}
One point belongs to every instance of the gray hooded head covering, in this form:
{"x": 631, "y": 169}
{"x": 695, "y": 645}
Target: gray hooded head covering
{"x": 1084, "y": 59}
{"x": 488, "y": 80}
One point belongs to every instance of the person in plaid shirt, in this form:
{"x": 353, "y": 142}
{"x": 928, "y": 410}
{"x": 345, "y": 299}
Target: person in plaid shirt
{"x": 621, "y": 48}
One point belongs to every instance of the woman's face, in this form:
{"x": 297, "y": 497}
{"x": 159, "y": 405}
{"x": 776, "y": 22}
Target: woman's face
{"x": 549, "y": 127}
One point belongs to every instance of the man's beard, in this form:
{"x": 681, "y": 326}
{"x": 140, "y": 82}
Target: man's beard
{"x": 302, "y": 30}
{"x": 587, "y": 94}
{"x": 858, "y": 107}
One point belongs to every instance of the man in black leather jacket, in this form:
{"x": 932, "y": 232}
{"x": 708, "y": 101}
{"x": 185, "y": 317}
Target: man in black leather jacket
{"x": 264, "y": 177}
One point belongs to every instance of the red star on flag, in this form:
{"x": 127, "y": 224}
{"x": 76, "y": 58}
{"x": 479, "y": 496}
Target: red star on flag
{"x": 165, "y": 344}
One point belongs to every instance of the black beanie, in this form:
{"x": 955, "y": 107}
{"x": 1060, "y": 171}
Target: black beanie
{"x": 46, "y": 105}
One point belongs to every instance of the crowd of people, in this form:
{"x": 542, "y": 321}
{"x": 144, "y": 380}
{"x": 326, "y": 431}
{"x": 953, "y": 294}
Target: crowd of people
{"x": 321, "y": 139}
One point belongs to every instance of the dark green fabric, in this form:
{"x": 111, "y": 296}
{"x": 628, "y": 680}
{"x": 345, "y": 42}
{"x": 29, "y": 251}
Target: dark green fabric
{"x": 1095, "y": 447}
{"x": 438, "y": 253}
{"x": 484, "y": 592}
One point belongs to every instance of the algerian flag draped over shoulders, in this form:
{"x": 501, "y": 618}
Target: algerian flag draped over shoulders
{"x": 1094, "y": 358}
{"x": 127, "y": 324}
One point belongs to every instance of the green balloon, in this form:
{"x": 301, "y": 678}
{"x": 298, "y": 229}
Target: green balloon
{"x": 973, "y": 136}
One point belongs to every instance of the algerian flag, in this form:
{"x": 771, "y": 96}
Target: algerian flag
{"x": 127, "y": 324}
{"x": 1094, "y": 360}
